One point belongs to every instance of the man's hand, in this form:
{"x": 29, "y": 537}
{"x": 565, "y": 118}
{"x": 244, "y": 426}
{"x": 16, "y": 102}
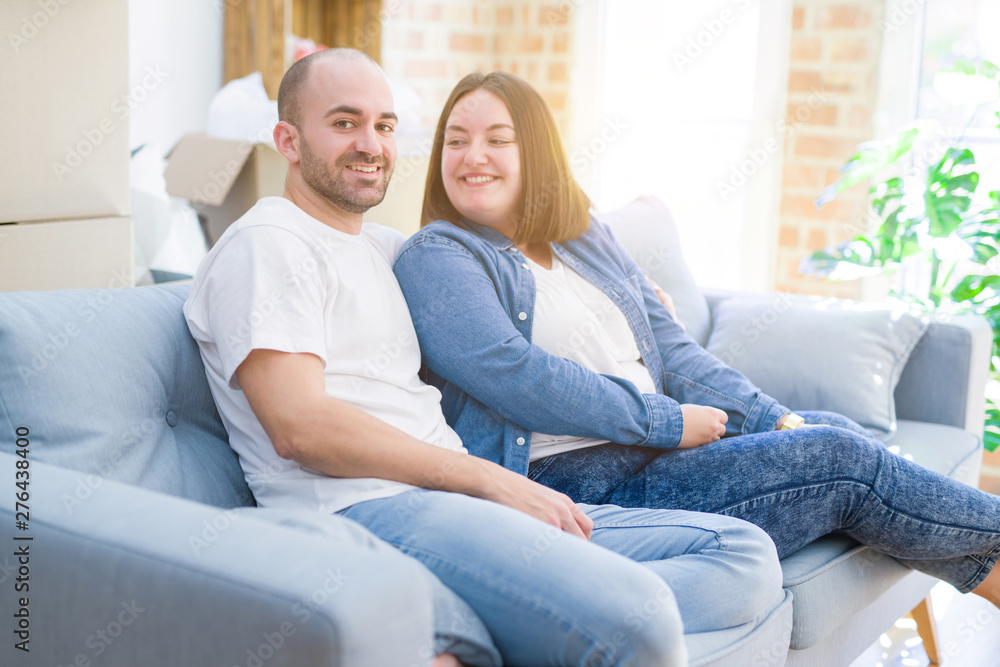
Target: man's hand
{"x": 702, "y": 425}
{"x": 554, "y": 508}
{"x": 287, "y": 394}
{"x": 666, "y": 300}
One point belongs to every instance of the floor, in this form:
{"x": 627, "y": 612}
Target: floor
{"x": 968, "y": 635}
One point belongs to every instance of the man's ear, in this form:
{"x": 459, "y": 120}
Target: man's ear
{"x": 286, "y": 140}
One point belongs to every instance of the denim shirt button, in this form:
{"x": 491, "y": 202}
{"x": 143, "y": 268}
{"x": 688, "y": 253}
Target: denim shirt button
{"x": 525, "y": 265}
{"x": 522, "y": 316}
{"x": 520, "y": 441}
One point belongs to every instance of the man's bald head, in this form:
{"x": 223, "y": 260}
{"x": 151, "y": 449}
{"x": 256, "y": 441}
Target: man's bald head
{"x": 296, "y": 80}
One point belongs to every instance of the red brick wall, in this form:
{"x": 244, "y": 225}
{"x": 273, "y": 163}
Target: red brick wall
{"x": 833, "y": 74}
{"x": 431, "y": 44}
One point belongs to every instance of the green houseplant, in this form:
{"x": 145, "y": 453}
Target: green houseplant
{"x": 930, "y": 221}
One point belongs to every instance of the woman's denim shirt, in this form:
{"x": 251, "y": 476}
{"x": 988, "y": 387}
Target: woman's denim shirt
{"x": 471, "y": 295}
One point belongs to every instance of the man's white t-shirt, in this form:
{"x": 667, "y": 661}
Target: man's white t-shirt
{"x": 575, "y": 320}
{"x": 279, "y": 279}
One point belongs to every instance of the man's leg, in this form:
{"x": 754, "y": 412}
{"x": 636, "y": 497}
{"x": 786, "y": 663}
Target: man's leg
{"x": 547, "y": 597}
{"x": 458, "y": 631}
{"x": 724, "y": 572}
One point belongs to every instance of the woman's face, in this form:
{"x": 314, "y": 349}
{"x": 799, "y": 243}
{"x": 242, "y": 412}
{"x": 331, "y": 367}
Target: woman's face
{"x": 481, "y": 162}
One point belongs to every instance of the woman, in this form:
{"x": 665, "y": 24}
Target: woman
{"x": 557, "y": 360}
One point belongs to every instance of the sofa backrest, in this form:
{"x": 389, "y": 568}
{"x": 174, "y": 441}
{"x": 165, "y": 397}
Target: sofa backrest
{"x": 647, "y": 231}
{"x": 110, "y": 383}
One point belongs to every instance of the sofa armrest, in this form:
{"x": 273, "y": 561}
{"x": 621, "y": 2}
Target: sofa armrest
{"x": 944, "y": 381}
{"x": 120, "y": 575}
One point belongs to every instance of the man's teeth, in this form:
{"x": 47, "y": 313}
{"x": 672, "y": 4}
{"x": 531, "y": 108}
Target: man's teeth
{"x": 479, "y": 179}
{"x": 367, "y": 170}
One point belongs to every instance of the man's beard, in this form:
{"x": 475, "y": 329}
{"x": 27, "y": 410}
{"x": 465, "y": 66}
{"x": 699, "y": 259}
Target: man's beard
{"x": 332, "y": 187}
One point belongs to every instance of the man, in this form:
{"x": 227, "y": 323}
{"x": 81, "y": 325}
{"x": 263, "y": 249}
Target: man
{"x": 313, "y": 363}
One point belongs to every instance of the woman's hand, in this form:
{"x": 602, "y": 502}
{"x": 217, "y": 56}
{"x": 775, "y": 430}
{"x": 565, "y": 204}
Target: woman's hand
{"x": 702, "y": 425}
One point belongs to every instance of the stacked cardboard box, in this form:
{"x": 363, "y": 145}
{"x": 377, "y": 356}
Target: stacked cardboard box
{"x": 64, "y": 177}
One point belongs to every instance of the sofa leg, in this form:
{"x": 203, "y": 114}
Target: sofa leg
{"x": 923, "y": 614}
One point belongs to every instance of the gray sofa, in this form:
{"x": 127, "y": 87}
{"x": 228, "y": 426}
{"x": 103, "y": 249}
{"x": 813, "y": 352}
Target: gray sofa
{"x": 844, "y": 595}
{"x": 148, "y": 549}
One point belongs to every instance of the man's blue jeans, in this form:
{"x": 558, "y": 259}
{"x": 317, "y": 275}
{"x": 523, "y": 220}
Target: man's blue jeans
{"x": 799, "y": 485}
{"x": 549, "y": 598}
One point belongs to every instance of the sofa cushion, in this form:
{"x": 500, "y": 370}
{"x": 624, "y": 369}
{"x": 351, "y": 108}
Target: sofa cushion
{"x": 109, "y": 382}
{"x": 835, "y": 577}
{"x": 948, "y": 450}
{"x": 822, "y": 355}
{"x": 646, "y": 230}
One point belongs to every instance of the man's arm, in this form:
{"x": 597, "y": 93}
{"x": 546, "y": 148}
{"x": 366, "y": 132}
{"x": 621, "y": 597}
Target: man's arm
{"x": 287, "y": 394}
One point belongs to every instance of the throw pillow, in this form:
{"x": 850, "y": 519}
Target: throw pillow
{"x": 820, "y": 355}
{"x": 646, "y": 230}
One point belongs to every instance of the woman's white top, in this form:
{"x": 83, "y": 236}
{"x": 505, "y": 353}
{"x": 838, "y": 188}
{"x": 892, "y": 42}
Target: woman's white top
{"x": 576, "y": 321}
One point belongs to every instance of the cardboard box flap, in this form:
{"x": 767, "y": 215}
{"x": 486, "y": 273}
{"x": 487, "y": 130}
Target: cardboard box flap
{"x": 204, "y": 169}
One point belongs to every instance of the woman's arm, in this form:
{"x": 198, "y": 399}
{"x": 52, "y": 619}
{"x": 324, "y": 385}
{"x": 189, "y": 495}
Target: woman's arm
{"x": 467, "y": 337}
{"x": 694, "y": 375}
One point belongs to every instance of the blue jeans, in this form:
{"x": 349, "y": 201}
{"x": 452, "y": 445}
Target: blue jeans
{"x": 799, "y": 485}
{"x": 549, "y": 598}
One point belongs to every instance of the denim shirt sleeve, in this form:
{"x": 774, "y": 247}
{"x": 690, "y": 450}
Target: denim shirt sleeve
{"x": 467, "y": 337}
{"x": 692, "y": 374}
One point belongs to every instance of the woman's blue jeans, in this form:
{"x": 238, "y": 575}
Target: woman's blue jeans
{"x": 549, "y": 598}
{"x": 798, "y": 485}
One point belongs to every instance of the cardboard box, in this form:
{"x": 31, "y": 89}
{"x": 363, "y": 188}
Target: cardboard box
{"x": 66, "y": 254}
{"x": 223, "y": 178}
{"x": 64, "y": 140}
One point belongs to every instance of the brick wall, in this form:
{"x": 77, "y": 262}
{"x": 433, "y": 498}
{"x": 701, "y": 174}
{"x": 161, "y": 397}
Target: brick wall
{"x": 832, "y": 81}
{"x": 432, "y": 44}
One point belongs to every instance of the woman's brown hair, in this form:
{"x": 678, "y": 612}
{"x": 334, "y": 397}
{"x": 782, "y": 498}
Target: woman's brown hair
{"x": 553, "y": 206}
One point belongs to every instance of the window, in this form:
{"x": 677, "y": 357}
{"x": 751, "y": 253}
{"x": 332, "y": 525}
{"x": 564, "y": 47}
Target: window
{"x": 682, "y": 114}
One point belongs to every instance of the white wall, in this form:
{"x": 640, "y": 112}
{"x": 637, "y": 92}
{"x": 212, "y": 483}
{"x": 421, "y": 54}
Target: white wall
{"x": 175, "y": 67}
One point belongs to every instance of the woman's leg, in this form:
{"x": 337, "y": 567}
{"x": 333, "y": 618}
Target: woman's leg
{"x": 798, "y": 485}
{"x": 547, "y": 598}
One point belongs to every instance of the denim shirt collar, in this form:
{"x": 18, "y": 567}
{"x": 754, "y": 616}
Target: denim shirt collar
{"x": 497, "y": 239}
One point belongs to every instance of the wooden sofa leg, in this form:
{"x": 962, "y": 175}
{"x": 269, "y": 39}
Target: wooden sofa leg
{"x": 923, "y": 614}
